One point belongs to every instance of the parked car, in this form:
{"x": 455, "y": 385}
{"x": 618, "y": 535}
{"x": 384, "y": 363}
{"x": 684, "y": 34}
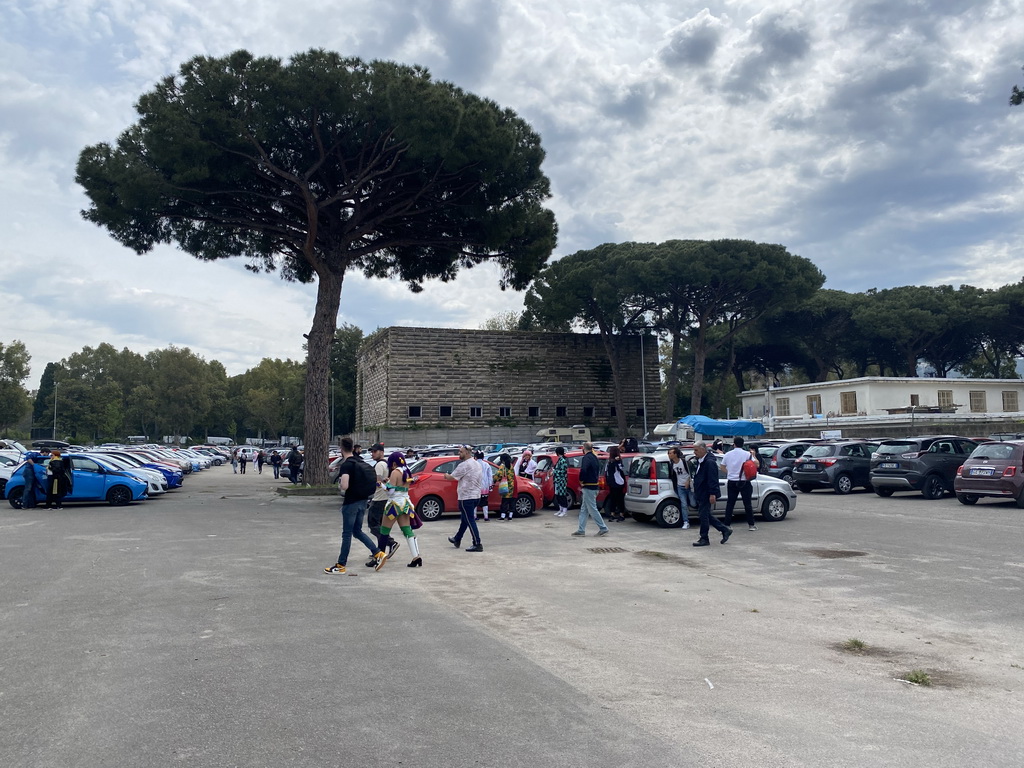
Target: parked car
{"x": 171, "y": 474}
{"x": 544, "y": 475}
{"x": 993, "y": 469}
{"x": 7, "y": 465}
{"x": 434, "y": 495}
{"x": 156, "y": 483}
{"x": 650, "y": 496}
{"x": 782, "y": 459}
{"x": 92, "y": 482}
{"x": 842, "y": 466}
{"x": 927, "y": 464}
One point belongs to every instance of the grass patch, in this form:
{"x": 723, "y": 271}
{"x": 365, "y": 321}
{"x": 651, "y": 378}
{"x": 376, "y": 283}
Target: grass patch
{"x": 917, "y": 677}
{"x": 854, "y": 645}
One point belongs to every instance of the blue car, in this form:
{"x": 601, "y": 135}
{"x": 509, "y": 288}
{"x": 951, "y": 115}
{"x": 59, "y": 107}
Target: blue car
{"x": 92, "y": 482}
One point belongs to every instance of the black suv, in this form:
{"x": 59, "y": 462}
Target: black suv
{"x": 783, "y": 459}
{"x": 926, "y": 464}
{"x": 841, "y": 465}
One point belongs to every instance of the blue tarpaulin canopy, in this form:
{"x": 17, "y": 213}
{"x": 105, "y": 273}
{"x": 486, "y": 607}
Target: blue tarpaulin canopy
{"x": 705, "y": 426}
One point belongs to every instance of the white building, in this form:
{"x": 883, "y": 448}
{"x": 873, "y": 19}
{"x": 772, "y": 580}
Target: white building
{"x": 879, "y": 397}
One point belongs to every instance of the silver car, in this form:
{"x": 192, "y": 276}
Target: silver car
{"x": 649, "y": 494}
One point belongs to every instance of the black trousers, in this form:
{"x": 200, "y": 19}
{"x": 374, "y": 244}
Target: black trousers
{"x": 741, "y": 488}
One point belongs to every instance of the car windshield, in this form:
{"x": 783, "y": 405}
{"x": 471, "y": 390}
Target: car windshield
{"x": 892, "y": 449}
{"x": 819, "y": 450}
{"x": 993, "y": 451}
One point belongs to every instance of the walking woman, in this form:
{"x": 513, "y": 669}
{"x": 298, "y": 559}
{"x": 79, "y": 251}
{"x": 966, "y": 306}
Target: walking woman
{"x": 398, "y": 509}
{"x": 615, "y": 480}
{"x": 505, "y": 477}
{"x": 560, "y": 476}
{"x": 58, "y": 481}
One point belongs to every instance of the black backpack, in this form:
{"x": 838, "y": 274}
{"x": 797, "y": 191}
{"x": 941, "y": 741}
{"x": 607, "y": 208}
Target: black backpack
{"x": 362, "y": 480}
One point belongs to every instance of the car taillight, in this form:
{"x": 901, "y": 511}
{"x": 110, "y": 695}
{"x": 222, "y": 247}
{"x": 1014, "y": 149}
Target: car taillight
{"x": 960, "y": 471}
{"x": 828, "y": 462}
{"x": 1010, "y": 471}
{"x": 912, "y": 455}
{"x": 774, "y": 463}
{"x": 652, "y": 485}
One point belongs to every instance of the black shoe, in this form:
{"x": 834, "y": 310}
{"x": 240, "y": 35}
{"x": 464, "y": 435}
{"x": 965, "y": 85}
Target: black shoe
{"x": 478, "y": 547}
{"x": 454, "y": 541}
{"x": 726, "y": 534}
{"x": 416, "y": 562}
{"x": 702, "y": 543}
{"x": 371, "y": 563}
{"x": 392, "y": 547}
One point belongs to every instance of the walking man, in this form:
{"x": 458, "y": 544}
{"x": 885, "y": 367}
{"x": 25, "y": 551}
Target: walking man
{"x": 707, "y": 490}
{"x": 275, "y": 462}
{"x": 357, "y": 492}
{"x": 736, "y": 482}
{"x": 590, "y": 470}
{"x": 294, "y": 462}
{"x": 468, "y": 474}
{"x": 375, "y": 515}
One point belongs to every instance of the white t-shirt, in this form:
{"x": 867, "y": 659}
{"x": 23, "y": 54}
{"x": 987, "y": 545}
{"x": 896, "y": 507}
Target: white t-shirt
{"x": 380, "y": 468}
{"x": 468, "y": 475}
{"x": 486, "y": 477}
{"x": 682, "y": 476}
{"x": 734, "y": 463}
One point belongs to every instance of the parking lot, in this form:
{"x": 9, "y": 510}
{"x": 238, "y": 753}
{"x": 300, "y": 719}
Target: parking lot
{"x": 199, "y": 629}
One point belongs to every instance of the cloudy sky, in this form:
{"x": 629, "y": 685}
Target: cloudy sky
{"x": 872, "y": 136}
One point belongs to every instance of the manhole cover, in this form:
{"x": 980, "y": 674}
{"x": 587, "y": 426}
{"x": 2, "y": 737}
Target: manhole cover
{"x": 833, "y": 554}
{"x": 605, "y": 550}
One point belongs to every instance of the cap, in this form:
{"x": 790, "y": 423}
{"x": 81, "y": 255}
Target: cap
{"x": 376, "y": 447}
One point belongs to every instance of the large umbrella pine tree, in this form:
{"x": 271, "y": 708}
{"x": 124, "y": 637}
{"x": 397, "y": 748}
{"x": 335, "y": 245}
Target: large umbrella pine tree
{"x": 319, "y": 165}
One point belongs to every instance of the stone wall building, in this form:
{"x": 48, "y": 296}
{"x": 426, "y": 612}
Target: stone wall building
{"x": 493, "y": 384}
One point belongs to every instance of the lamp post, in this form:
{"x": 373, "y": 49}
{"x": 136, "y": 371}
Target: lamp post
{"x": 55, "y": 385}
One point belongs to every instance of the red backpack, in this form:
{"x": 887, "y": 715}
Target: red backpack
{"x": 749, "y": 469}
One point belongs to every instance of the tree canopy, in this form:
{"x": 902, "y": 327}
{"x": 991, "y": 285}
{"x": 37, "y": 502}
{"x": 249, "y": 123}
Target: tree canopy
{"x": 321, "y": 165}
{"x": 14, "y": 369}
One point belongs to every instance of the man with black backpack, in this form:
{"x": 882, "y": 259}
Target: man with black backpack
{"x": 357, "y": 482}
{"x": 375, "y": 511}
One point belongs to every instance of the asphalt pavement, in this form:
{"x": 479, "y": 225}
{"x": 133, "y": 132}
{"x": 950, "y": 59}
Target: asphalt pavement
{"x": 199, "y": 629}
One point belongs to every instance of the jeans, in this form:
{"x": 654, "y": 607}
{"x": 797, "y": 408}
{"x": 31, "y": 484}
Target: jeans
{"x": 740, "y": 488}
{"x": 707, "y": 519}
{"x": 352, "y": 524}
{"x": 467, "y": 508}
{"x": 686, "y": 500}
{"x": 589, "y": 507}
{"x": 277, "y": 471}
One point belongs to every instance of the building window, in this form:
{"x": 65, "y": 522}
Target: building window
{"x": 978, "y": 404}
{"x": 814, "y": 404}
{"x": 782, "y": 406}
{"x": 505, "y": 411}
{"x": 613, "y": 411}
{"x": 415, "y": 411}
{"x": 444, "y": 412}
{"x": 588, "y": 411}
{"x": 1010, "y": 402}
{"x": 534, "y": 411}
{"x": 848, "y": 402}
{"x": 561, "y": 412}
{"x": 640, "y": 412}
{"x": 945, "y": 398}
{"x": 476, "y": 412}
{"x": 915, "y": 400}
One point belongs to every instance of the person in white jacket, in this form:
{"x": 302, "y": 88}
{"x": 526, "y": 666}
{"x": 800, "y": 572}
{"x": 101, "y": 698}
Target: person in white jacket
{"x": 486, "y": 481}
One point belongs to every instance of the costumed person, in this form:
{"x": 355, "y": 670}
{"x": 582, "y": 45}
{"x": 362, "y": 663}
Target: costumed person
{"x": 486, "y": 481}
{"x": 398, "y": 509}
{"x": 560, "y": 477}
{"x": 58, "y": 481}
{"x": 507, "y": 475}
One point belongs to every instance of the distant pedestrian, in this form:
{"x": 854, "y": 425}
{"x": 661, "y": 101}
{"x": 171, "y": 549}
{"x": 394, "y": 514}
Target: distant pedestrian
{"x": 58, "y": 481}
{"x": 275, "y": 462}
{"x": 505, "y": 477}
{"x": 590, "y": 470}
{"x": 260, "y": 459}
{"x": 243, "y": 459}
{"x": 707, "y": 491}
{"x": 467, "y": 472}
{"x": 615, "y": 482}
{"x": 737, "y": 484}
{"x": 294, "y": 464}
{"x": 350, "y": 481}
{"x": 234, "y": 461}
{"x": 486, "y": 481}
{"x": 399, "y": 510}
{"x": 375, "y": 513}
{"x": 560, "y": 478}
{"x": 680, "y": 477}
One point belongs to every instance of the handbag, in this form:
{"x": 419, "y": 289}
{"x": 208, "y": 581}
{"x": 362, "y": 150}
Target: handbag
{"x": 503, "y": 487}
{"x": 414, "y": 521}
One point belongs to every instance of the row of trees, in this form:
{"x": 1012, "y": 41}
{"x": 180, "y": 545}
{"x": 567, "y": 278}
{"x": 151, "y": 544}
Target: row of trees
{"x": 102, "y": 393}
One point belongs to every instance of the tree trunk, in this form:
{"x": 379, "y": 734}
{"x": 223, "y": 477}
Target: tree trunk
{"x": 607, "y": 337}
{"x": 700, "y": 356}
{"x": 672, "y": 379}
{"x": 318, "y": 371}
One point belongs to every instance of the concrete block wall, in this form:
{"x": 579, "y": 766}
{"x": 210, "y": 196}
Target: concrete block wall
{"x": 434, "y": 367}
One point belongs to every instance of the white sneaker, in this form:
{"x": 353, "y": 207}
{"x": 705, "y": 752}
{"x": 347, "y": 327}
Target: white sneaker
{"x": 686, "y": 526}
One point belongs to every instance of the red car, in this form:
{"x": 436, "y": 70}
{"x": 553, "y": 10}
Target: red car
{"x": 433, "y": 494}
{"x": 544, "y": 475}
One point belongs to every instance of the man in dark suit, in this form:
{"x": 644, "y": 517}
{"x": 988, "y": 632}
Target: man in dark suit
{"x": 706, "y": 490}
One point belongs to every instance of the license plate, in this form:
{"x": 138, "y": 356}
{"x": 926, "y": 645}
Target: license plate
{"x": 889, "y": 465}
{"x": 982, "y": 472}
{"x": 809, "y": 467}
{"x": 636, "y": 489}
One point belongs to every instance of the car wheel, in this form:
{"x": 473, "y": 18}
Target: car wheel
{"x": 15, "y": 500}
{"x": 1020, "y": 499}
{"x": 118, "y": 496}
{"x": 843, "y": 483}
{"x": 524, "y": 505}
{"x": 430, "y": 508}
{"x": 969, "y": 498}
{"x": 217, "y": 462}
{"x": 775, "y": 508}
{"x": 573, "y": 501}
{"x": 933, "y": 488}
{"x": 668, "y": 514}
{"x": 804, "y": 488}
{"x": 788, "y": 477}
{"x": 641, "y": 518}
{"x": 885, "y": 493}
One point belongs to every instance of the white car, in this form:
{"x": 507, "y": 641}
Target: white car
{"x": 649, "y": 493}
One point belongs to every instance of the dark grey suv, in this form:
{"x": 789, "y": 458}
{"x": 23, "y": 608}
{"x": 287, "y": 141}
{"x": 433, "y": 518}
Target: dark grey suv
{"x": 783, "y": 459}
{"x": 841, "y": 466}
{"x": 927, "y": 464}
